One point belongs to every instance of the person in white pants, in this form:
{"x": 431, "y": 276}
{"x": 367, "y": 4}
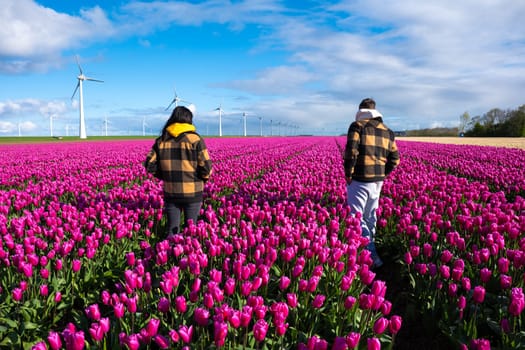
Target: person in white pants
{"x": 370, "y": 155}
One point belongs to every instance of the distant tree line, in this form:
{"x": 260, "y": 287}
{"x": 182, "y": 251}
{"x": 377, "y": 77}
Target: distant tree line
{"x": 494, "y": 123}
{"x": 437, "y": 132}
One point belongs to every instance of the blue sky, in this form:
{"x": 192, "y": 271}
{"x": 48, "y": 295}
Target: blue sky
{"x": 294, "y": 67}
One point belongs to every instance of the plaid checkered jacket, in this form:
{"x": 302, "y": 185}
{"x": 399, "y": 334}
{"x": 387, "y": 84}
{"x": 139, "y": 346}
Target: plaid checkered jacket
{"x": 371, "y": 152}
{"x": 184, "y": 165}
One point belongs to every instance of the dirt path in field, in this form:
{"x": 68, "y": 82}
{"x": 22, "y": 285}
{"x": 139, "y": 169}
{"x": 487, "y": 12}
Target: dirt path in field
{"x": 509, "y": 142}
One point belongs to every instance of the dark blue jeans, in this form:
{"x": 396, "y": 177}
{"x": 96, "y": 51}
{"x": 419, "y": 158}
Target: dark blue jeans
{"x": 173, "y": 213}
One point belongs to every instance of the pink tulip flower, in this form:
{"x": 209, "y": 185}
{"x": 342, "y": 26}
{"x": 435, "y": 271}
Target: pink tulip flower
{"x": 373, "y": 344}
{"x": 164, "y": 305}
{"x": 54, "y": 340}
{"x": 17, "y": 294}
{"x": 318, "y": 301}
{"x": 352, "y": 339}
{"x": 220, "y": 332}
{"x": 380, "y": 325}
{"x": 395, "y": 324}
{"x": 76, "y": 265}
{"x": 186, "y": 333}
{"x": 260, "y": 328}
{"x": 478, "y": 295}
{"x": 485, "y": 275}
{"x": 201, "y": 316}
{"x": 39, "y": 346}
{"x": 161, "y": 341}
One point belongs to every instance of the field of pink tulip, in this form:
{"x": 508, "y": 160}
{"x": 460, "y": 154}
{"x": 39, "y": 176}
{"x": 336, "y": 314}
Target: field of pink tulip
{"x": 276, "y": 259}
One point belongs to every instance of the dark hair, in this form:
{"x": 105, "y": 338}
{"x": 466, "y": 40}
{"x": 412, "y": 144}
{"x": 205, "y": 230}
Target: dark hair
{"x": 367, "y": 103}
{"x": 180, "y": 114}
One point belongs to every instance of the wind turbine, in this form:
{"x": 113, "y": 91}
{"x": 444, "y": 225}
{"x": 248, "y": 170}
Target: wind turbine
{"x": 144, "y": 126}
{"x": 220, "y": 118}
{"x": 81, "y": 77}
{"x": 106, "y": 122}
{"x": 51, "y": 124}
{"x": 260, "y": 125}
{"x": 176, "y": 101}
{"x": 244, "y": 115}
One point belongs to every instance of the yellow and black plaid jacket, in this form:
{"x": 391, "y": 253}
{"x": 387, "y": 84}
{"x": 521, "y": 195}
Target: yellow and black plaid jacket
{"x": 184, "y": 165}
{"x": 371, "y": 151}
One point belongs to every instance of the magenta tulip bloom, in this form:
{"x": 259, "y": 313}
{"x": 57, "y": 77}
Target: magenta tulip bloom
{"x": 17, "y": 294}
{"x": 349, "y": 302}
{"x": 246, "y": 315}
{"x": 96, "y": 332}
{"x": 220, "y": 332}
{"x": 316, "y": 343}
{"x": 373, "y": 344}
{"x": 105, "y": 324}
{"x": 485, "y": 275}
{"x": 93, "y": 312}
{"x": 152, "y": 327}
{"x": 505, "y": 281}
{"x": 76, "y": 265}
{"x": 291, "y": 299}
{"x": 54, "y": 340}
{"x": 161, "y": 341}
{"x": 229, "y": 286}
{"x": 39, "y": 346}
{"x": 164, "y": 305}
{"x": 318, "y": 301}
{"x": 119, "y": 310}
{"x": 465, "y": 283}
{"x": 74, "y": 340}
{"x": 259, "y": 330}
{"x": 58, "y": 297}
{"x": 132, "y": 341}
{"x": 44, "y": 290}
{"x": 186, "y": 333}
{"x": 503, "y": 265}
{"x": 130, "y": 258}
{"x": 201, "y": 316}
{"x": 180, "y": 304}
{"x": 395, "y": 324}
{"x": 517, "y": 301}
{"x": 380, "y": 325}
{"x": 352, "y": 340}
{"x": 479, "y": 294}
{"x": 174, "y": 336}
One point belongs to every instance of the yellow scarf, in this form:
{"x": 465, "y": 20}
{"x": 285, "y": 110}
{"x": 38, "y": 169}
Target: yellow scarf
{"x": 178, "y": 128}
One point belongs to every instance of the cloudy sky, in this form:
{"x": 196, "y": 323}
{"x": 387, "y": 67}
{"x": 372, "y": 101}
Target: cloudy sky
{"x": 293, "y": 67}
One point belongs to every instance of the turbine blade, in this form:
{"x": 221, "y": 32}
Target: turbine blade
{"x": 91, "y": 79}
{"x": 172, "y": 102}
{"x": 78, "y": 64}
{"x": 74, "y": 92}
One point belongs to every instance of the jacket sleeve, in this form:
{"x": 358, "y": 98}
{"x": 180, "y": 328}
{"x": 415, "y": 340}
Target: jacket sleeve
{"x": 351, "y": 149}
{"x": 392, "y": 159}
{"x": 152, "y": 163}
{"x": 204, "y": 166}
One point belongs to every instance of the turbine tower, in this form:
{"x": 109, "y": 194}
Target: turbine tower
{"x": 81, "y": 77}
{"x": 144, "y": 124}
{"x": 176, "y": 101}
{"x": 244, "y": 122}
{"x": 220, "y": 119}
{"x": 106, "y": 122}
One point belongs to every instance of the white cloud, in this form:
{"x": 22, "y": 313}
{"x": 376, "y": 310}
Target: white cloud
{"x": 424, "y": 62}
{"x": 32, "y": 37}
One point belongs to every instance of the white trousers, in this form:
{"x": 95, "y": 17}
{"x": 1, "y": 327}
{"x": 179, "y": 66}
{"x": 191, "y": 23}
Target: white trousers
{"x": 363, "y": 197}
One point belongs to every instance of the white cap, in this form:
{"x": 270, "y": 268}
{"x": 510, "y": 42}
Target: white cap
{"x": 192, "y": 108}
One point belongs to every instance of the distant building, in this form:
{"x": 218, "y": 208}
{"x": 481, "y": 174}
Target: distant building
{"x": 400, "y": 133}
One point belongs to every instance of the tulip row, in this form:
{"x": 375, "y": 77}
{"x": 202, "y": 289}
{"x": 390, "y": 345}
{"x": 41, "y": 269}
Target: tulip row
{"x": 462, "y": 243}
{"x": 276, "y": 261}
